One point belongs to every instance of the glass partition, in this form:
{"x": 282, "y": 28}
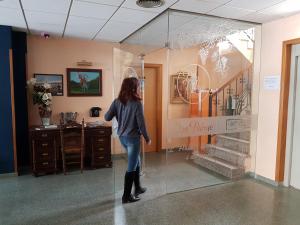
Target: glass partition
{"x": 209, "y": 96}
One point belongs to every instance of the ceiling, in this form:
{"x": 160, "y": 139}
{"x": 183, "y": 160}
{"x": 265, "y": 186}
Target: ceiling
{"x": 114, "y": 20}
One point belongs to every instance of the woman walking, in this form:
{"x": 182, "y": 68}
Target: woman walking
{"x": 128, "y": 110}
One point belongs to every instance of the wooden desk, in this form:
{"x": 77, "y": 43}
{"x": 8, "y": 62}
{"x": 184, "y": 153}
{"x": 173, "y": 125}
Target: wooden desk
{"x": 46, "y": 152}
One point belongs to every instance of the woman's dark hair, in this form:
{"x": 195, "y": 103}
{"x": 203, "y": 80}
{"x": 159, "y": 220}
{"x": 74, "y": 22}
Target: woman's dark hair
{"x": 129, "y": 90}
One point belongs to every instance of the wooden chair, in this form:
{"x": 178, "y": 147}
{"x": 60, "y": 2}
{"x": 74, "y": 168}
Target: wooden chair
{"x": 72, "y": 143}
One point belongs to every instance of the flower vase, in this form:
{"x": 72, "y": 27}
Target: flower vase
{"x": 45, "y": 114}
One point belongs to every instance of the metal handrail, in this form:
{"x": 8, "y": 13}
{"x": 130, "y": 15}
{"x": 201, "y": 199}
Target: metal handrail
{"x": 242, "y": 94}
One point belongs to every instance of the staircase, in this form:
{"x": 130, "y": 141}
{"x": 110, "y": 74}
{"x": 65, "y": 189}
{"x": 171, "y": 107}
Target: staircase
{"x": 227, "y": 156}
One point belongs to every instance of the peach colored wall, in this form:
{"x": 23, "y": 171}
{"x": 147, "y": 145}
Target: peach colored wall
{"x": 178, "y": 59}
{"x": 53, "y": 56}
{"x": 273, "y": 34}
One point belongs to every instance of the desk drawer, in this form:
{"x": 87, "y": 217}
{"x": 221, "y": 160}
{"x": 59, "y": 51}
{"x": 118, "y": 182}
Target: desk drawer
{"x": 44, "y": 156}
{"x": 102, "y": 159}
{"x": 45, "y": 146}
{"x": 47, "y": 165}
{"x": 100, "y": 149}
{"x": 99, "y": 141}
{"x": 42, "y": 135}
{"x": 100, "y": 132}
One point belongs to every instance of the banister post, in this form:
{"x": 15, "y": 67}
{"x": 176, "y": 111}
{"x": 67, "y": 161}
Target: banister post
{"x": 210, "y": 105}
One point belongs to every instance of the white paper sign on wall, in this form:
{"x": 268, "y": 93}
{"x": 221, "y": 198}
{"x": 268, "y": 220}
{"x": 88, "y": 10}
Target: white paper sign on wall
{"x": 271, "y": 82}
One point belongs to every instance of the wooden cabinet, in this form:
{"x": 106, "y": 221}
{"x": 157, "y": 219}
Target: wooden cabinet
{"x": 46, "y": 153}
{"x": 98, "y": 147}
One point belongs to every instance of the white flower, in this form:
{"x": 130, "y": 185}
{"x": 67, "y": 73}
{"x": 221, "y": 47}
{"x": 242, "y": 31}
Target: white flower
{"x": 47, "y": 103}
{"x": 47, "y": 86}
{"x": 49, "y": 96}
{"x": 32, "y": 81}
{"x": 45, "y": 97}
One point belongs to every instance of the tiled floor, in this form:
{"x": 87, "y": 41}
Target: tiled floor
{"x": 90, "y": 198}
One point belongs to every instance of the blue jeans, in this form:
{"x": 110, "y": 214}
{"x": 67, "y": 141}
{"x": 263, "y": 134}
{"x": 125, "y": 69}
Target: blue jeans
{"x": 132, "y": 147}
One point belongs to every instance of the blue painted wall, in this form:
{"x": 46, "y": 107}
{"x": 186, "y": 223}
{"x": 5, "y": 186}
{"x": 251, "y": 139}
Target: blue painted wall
{"x": 6, "y": 138}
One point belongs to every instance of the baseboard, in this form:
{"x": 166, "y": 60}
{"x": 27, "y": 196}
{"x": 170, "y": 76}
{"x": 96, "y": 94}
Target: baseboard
{"x": 266, "y": 180}
{"x": 4, "y": 175}
{"x": 250, "y": 174}
{"x": 262, "y": 179}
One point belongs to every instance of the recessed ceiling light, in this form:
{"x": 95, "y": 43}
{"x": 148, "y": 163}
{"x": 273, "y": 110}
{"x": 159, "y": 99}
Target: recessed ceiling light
{"x": 150, "y": 3}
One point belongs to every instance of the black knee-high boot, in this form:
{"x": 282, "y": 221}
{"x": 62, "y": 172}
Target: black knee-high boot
{"x": 127, "y": 196}
{"x": 137, "y": 183}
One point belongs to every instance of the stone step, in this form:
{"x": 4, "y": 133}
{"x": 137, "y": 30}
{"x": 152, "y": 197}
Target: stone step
{"x": 228, "y": 155}
{"x": 242, "y": 135}
{"x": 233, "y": 143}
{"x": 219, "y": 166}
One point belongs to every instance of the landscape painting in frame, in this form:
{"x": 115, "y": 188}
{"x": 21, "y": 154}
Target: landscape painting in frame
{"x": 84, "y": 82}
{"x": 55, "y": 81}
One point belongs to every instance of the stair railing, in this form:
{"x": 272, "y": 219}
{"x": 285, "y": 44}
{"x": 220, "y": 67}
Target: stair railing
{"x": 232, "y": 98}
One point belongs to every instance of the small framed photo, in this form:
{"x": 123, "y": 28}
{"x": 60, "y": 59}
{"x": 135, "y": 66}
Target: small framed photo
{"x": 180, "y": 89}
{"x": 55, "y": 80}
{"x": 84, "y": 82}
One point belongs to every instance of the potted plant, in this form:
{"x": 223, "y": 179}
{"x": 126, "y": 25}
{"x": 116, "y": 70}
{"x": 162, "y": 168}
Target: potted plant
{"x": 42, "y": 97}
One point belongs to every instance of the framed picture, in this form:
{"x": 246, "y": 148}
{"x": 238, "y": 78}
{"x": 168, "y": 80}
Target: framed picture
{"x": 55, "y": 80}
{"x": 180, "y": 90}
{"x": 84, "y": 82}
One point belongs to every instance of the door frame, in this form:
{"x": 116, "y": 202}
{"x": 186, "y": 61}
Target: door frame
{"x": 158, "y": 68}
{"x": 283, "y": 105}
{"x": 13, "y": 113}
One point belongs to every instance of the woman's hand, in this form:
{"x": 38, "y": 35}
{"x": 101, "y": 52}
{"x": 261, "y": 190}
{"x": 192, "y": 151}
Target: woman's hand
{"x": 148, "y": 142}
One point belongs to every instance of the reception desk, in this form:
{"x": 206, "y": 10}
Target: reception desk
{"x": 46, "y": 152}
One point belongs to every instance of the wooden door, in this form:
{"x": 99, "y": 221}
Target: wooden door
{"x": 151, "y": 107}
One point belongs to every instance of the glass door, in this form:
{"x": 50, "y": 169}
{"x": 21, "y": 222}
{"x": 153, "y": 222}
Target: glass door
{"x": 209, "y": 111}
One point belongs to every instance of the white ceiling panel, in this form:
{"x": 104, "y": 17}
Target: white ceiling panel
{"x": 52, "y": 6}
{"x": 45, "y": 22}
{"x": 131, "y": 4}
{"x": 12, "y": 17}
{"x": 83, "y": 27}
{"x": 52, "y": 29}
{"x": 46, "y": 18}
{"x": 253, "y": 4}
{"x": 196, "y": 6}
{"x": 177, "y": 20}
{"x": 92, "y": 10}
{"x": 14, "y": 4}
{"x": 106, "y": 2}
{"x": 217, "y": 1}
{"x": 283, "y": 9}
{"x": 133, "y": 16}
{"x": 258, "y": 17}
{"x": 116, "y": 31}
{"x": 230, "y": 12}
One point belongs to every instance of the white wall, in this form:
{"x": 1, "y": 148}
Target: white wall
{"x": 273, "y": 34}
